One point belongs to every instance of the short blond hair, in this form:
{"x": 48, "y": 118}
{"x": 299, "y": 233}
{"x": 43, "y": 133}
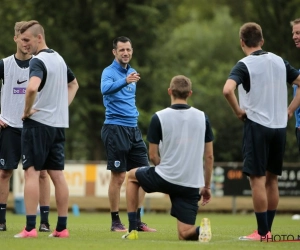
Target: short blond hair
{"x": 18, "y": 26}
{"x": 35, "y": 28}
{"x": 296, "y": 21}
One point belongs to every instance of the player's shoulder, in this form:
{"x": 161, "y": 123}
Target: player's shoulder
{"x": 11, "y": 57}
{"x": 108, "y": 68}
{"x": 6, "y": 60}
{"x": 35, "y": 60}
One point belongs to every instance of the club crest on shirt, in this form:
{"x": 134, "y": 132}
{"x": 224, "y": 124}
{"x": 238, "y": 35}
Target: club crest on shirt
{"x": 117, "y": 164}
{"x": 2, "y": 162}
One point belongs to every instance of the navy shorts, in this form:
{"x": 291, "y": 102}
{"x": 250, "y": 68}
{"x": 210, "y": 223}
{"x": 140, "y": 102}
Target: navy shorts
{"x": 10, "y": 147}
{"x": 125, "y": 148}
{"x": 297, "y": 133}
{"x": 42, "y": 146}
{"x": 184, "y": 199}
{"x": 263, "y": 149}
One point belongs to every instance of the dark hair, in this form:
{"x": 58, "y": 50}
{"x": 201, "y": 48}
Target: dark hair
{"x": 181, "y": 87}
{"x": 251, "y": 34}
{"x": 122, "y": 39}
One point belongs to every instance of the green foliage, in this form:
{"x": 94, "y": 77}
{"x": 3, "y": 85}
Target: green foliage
{"x": 197, "y": 38}
{"x": 203, "y": 49}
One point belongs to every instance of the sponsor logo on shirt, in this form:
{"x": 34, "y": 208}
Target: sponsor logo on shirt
{"x": 19, "y": 91}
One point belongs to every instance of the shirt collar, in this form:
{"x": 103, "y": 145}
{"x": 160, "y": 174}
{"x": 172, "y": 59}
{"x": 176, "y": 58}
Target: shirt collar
{"x": 258, "y": 52}
{"x": 119, "y": 67}
{"x": 180, "y": 106}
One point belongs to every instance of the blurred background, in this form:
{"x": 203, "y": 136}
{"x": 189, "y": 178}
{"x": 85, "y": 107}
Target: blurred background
{"x": 197, "y": 38}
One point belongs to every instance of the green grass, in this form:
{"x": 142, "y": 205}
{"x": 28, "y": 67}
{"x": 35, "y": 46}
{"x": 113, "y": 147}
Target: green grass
{"x": 91, "y": 231}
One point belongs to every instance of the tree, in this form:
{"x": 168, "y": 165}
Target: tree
{"x": 204, "y": 49}
{"x": 83, "y": 35}
{"x": 197, "y": 38}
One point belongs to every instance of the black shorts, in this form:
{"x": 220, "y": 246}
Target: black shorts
{"x": 10, "y": 147}
{"x": 42, "y": 146}
{"x": 263, "y": 149}
{"x": 184, "y": 199}
{"x": 297, "y": 133}
{"x": 125, "y": 148}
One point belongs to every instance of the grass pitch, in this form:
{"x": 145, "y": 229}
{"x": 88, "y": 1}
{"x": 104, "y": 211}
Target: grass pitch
{"x": 92, "y": 231}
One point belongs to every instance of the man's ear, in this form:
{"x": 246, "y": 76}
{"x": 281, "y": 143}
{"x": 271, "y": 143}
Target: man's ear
{"x": 242, "y": 43}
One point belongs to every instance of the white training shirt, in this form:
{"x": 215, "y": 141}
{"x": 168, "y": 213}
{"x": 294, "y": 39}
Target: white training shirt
{"x": 266, "y": 103}
{"x": 13, "y": 92}
{"x": 182, "y": 146}
{"x": 52, "y": 101}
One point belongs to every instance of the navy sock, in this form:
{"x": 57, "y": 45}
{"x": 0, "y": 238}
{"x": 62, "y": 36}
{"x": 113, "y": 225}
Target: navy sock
{"x": 30, "y": 222}
{"x": 2, "y": 213}
{"x": 44, "y": 212}
{"x": 115, "y": 216}
{"x": 198, "y": 230}
{"x": 61, "y": 223}
{"x": 270, "y": 218}
{"x": 132, "y": 221}
{"x": 138, "y": 215}
{"x": 262, "y": 223}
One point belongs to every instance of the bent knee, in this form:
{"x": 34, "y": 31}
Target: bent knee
{"x": 131, "y": 174}
{"x": 183, "y": 236}
{"x": 187, "y": 233}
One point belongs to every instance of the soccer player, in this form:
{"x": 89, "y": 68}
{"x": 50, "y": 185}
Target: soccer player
{"x": 124, "y": 145}
{"x": 51, "y": 89}
{"x": 14, "y": 73}
{"x": 261, "y": 79}
{"x": 179, "y": 136}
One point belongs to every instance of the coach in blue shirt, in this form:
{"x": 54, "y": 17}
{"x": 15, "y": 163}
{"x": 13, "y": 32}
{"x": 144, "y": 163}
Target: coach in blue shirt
{"x": 124, "y": 145}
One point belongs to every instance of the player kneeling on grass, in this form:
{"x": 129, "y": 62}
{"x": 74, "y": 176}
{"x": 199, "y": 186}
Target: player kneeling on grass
{"x": 179, "y": 137}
